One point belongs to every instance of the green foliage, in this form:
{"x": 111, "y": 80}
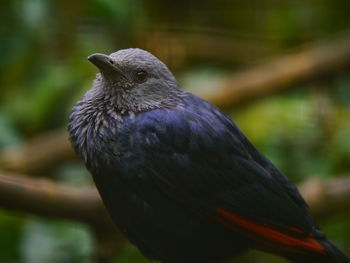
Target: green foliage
{"x": 11, "y": 228}
{"x": 130, "y": 254}
{"x": 8, "y": 133}
{"x": 55, "y": 241}
{"x": 43, "y": 71}
{"x": 282, "y": 125}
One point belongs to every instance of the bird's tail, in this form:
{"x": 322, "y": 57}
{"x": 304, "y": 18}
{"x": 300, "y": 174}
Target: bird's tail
{"x": 334, "y": 254}
{"x": 331, "y": 254}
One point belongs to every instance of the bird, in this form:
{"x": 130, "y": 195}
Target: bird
{"x": 178, "y": 177}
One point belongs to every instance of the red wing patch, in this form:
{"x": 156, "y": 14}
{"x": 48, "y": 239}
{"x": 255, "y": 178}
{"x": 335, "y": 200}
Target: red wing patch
{"x": 262, "y": 231}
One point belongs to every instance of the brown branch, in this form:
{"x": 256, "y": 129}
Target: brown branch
{"x": 282, "y": 73}
{"x": 39, "y": 154}
{"x": 327, "y": 198}
{"x": 44, "y": 197}
{"x": 49, "y": 199}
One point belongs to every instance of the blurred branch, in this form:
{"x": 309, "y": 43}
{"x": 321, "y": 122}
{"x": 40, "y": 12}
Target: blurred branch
{"x": 327, "y": 198}
{"x": 282, "y": 73}
{"x": 44, "y": 197}
{"x": 38, "y": 154}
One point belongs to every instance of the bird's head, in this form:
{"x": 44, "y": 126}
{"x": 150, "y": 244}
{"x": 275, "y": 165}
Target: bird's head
{"x": 134, "y": 80}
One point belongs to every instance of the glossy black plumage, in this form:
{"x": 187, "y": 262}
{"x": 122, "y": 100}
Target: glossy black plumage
{"x": 165, "y": 174}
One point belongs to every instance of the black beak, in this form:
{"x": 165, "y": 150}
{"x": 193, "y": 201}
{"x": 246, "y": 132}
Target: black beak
{"x": 105, "y": 64}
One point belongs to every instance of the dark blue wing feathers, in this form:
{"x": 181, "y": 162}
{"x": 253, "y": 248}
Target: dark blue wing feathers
{"x": 199, "y": 158}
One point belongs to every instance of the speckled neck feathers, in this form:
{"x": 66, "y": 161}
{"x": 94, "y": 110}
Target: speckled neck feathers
{"x": 113, "y": 96}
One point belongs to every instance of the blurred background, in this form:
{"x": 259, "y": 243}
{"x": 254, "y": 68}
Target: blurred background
{"x": 280, "y": 69}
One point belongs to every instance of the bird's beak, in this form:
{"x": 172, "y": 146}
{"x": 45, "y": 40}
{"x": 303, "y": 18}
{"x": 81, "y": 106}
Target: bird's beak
{"x": 106, "y": 65}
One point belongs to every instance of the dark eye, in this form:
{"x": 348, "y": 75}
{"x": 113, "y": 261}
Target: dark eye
{"x": 141, "y": 75}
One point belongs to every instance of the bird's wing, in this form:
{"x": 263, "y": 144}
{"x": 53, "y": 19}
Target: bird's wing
{"x": 202, "y": 162}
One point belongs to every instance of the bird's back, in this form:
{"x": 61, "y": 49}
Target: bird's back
{"x": 178, "y": 177}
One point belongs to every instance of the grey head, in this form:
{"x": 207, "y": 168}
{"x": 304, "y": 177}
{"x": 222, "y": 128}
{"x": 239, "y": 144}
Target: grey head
{"x": 132, "y": 80}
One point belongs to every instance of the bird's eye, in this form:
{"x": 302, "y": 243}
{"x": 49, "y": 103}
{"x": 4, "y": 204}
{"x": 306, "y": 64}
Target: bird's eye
{"x": 141, "y": 75}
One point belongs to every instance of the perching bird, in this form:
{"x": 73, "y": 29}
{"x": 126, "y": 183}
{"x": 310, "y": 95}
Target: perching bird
{"x": 178, "y": 177}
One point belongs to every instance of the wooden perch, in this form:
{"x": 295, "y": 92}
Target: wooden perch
{"x": 38, "y": 154}
{"x": 282, "y": 73}
{"x": 271, "y": 77}
{"x": 44, "y": 197}
{"x": 327, "y": 198}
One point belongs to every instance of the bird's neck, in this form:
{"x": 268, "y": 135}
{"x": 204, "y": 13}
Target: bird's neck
{"x": 91, "y": 119}
{"x": 101, "y": 112}
{"x": 106, "y": 97}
